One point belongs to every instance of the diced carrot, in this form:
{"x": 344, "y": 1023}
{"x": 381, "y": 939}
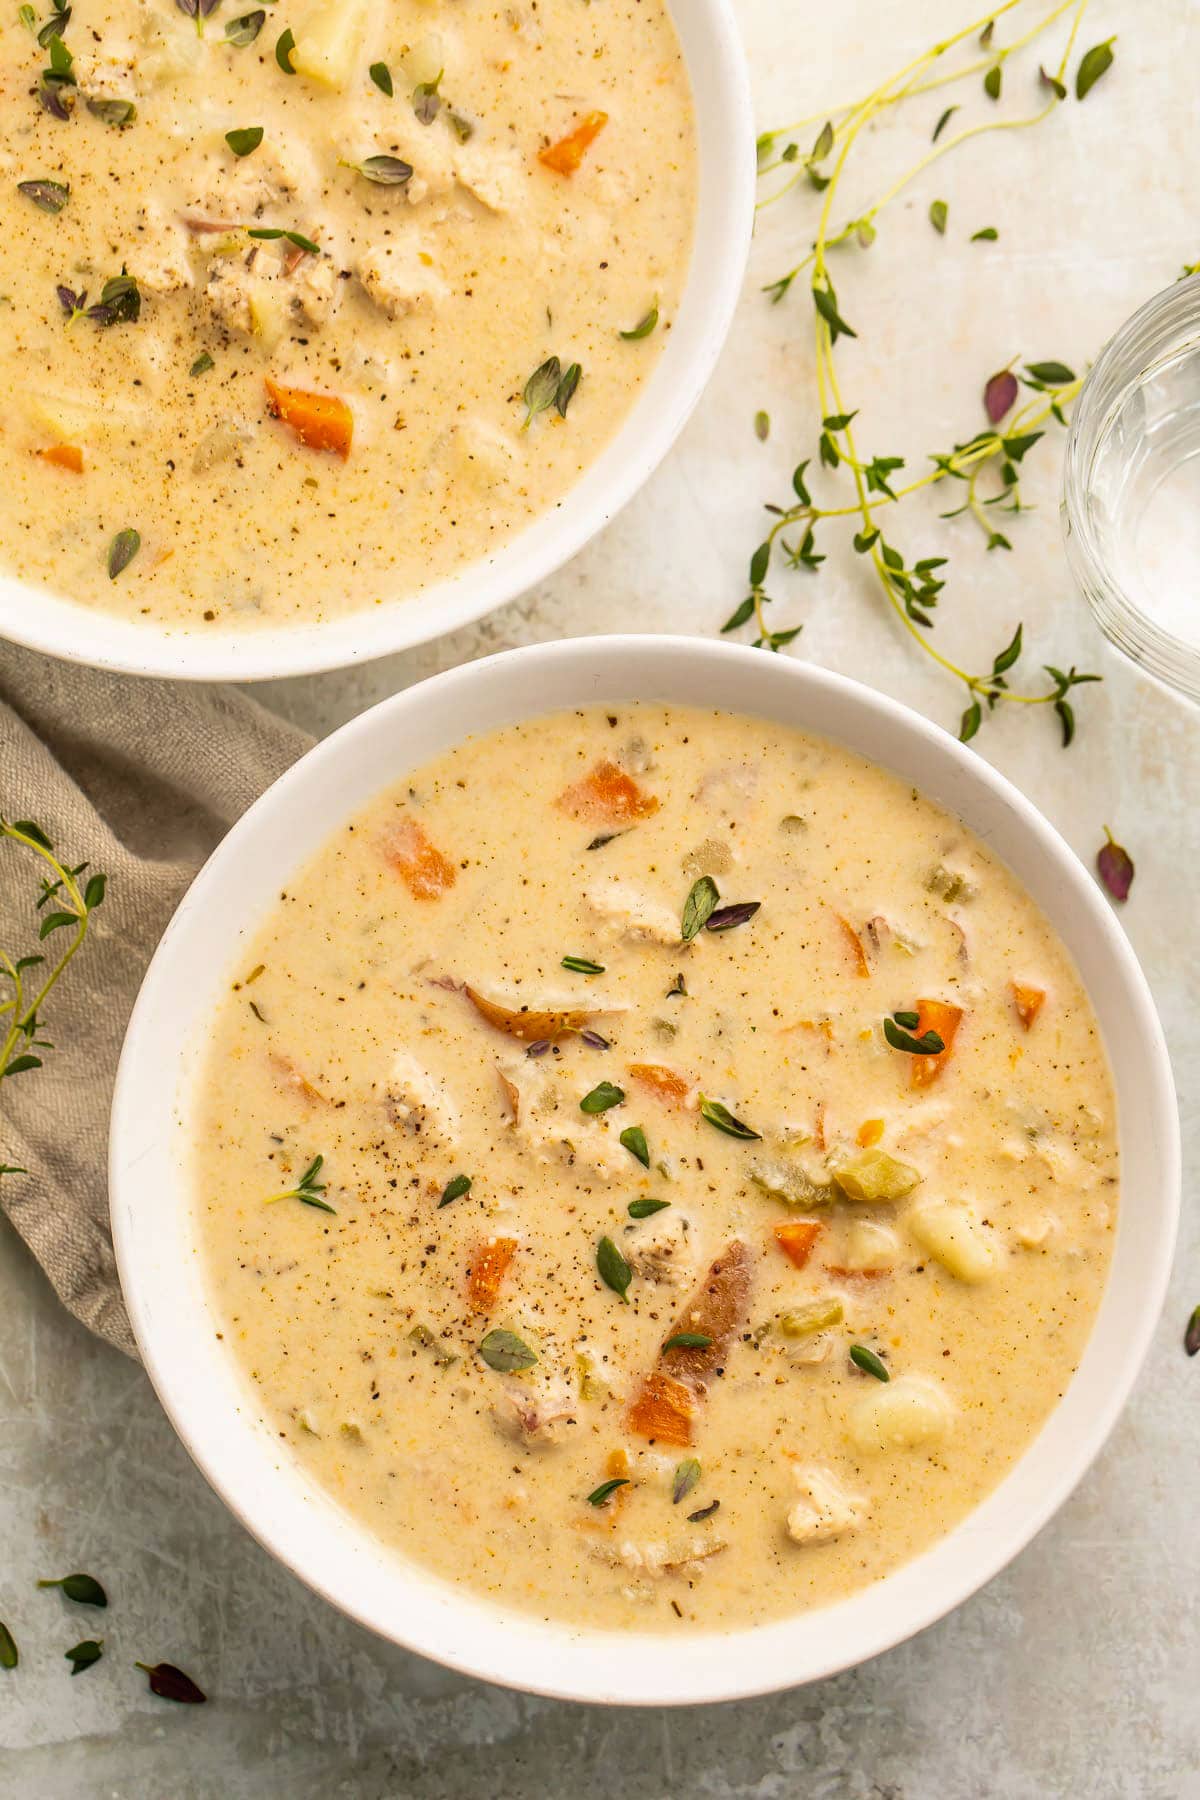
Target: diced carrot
{"x": 796, "y": 1239}
{"x": 944, "y": 1018}
{"x": 667, "y": 1085}
{"x": 288, "y": 1073}
{"x": 488, "y": 1269}
{"x": 607, "y": 795}
{"x": 1028, "y": 1001}
{"x": 662, "y": 1410}
{"x": 321, "y": 421}
{"x": 425, "y": 872}
{"x": 63, "y": 456}
{"x": 870, "y": 1132}
{"x": 531, "y": 1027}
{"x": 854, "y": 942}
{"x": 565, "y": 156}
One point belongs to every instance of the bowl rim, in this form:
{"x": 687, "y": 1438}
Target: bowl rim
{"x": 716, "y": 64}
{"x": 474, "y": 1636}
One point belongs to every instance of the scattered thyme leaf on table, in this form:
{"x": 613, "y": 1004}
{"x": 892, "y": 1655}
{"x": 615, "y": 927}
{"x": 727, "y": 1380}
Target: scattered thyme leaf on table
{"x": 986, "y": 466}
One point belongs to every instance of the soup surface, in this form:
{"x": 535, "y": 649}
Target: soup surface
{"x": 716, "y": 1220}
{"x": 280, "y": 324}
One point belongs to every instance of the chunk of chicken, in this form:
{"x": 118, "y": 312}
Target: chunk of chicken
{"x": 681, "y": 1556}
{"x": 228, "y": 291}
{"x": 279, "y": 171}
{"x": 400, "y": 278}
{"x": 633, "y": 914}
{"x": 496, "y": 177}
{"x": 663, "y": 1252}
{"x": 824, "y": 1510}
{"x": 159, "y": 260}
{"x": 313, "y": 289}
{"x": 550, "y": 1133}
{"x": 535, "y": 1409}
{"x": 418, "y": 1104}
{"x": 106, "y": 74}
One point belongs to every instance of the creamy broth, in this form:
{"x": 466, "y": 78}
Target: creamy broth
{"x": 405, "y": 1014}
{"x": 548, "y": 210}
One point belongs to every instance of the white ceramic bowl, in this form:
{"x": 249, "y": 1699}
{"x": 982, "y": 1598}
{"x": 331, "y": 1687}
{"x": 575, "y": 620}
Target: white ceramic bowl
{"x": 213, "y": 1408}
{"x": 725, "y": 131}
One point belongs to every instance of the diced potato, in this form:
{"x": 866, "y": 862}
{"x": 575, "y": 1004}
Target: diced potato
{"x": 872, "y": 1175}
{"x": 268, "y": 315}
{"x": 870, "y": 1245}
{"x": 952, "y": 1234}
{"x": 328, "y": 44}
{"x": 72, "y": 421}
{"x": 904, "y": 1414}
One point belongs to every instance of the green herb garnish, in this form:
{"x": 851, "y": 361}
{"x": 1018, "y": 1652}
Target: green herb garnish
{"x": 506, "y": 1353}
{"x": 599, "y": 1495}
{"x": 539, "y": 391}
{"x": 285, "y": 43}
{"x": 644, "y": 1209}
{"x": 723, "y": 1119}
{"x": 381, "y": 75}
{"x": 988, "y": 235}
{"x": 898, "y": 1031}
{"x": 118, "y": 113}
{"x": 9, "y": 1654}
{"x": 308, "y": 1189}
{"x": 706, "y": 1512}
{"x": 21, "y": 1013}
{"x": 688, "y": 1340}
{"x": 122, "y": 551}
{"x": 421, "y": 1334}
{"x": 384, "y": 171}
{"x": 938, "y": 214}
{"x": 1191, "y": 1337}
{"x": 614, "y": 1271}
{"x": 50, "y": 196}
{"x": 454, "y": 1190}
{"x": 426, "y": 101}
{"x": 243, "y": 31}
{"x": 687, "y": 1474}
{"x": 1095, "y": 63}
{"x": 202, "y": 365}
{"x": 85, "y": 1590}
{"x": 170, "y": 1683}
{"x": 566, "y": 389}
{"x": 245, "y": 139}
{"x": 581, "y": 966}
{"x": 602, "y": 1096}
{"x": 83, "y": 1655}
{"x": 272, "y": 234}
{"x": 699, "y": 907}
{"x": 868, "y": 1362}
{"x": 644, "y": 326}
{"x": 634, "y": 1140}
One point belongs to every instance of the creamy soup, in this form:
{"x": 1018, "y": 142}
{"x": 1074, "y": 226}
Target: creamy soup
{"x": 325, "y": 299}
{"x": 717, "y": 1173}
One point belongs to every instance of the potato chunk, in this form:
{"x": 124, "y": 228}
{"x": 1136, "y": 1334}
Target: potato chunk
{"x": 952, "y": 1234}
{"x": 908, "y": 1413}
{"x": 329, "y": 41}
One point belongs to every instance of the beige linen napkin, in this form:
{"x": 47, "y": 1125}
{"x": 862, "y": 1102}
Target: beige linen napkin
{"x": 139, "y": 779}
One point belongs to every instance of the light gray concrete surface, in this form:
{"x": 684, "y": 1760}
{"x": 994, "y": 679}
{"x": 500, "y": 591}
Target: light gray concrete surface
{"x": 1077, "y": 1671}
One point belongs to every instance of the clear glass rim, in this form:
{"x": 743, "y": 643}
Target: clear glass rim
{"x": 1156, "y": 333}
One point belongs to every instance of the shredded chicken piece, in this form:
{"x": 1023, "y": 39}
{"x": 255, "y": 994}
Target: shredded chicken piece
{"x": 663, "y": 1252}
{"x": 533, "y": 1411}
{"x": 314, "y": 290}
{"x": 824, "y": 1510}
{"x": 418, "y": 1104}
{"x": 159, "y": 260}
{"x": 495, "y": 177}
{"x": 633, "y": 914}
{"x": 553, "y": 1134}
{"x": 400, "y": 278}
{"x": 279, "y": 171}
{"x": 657, "y": 1559}
{"x": 228, "y": 292}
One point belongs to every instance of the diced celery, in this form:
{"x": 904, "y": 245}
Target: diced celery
{"x": 788, "y": 1182}
{"x": 802, "y": 1321}
{"x": 872, "y": 1175}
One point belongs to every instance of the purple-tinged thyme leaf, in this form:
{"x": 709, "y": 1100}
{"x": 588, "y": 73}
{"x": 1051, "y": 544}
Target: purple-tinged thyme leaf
{"x": 1000, "y": 395}
{"x": 170, "y": 1683}
{"x": 1115, "y": 866}
{"x": 726, "y": 917}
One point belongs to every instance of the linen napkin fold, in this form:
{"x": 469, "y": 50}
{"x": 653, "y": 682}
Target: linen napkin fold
{"x": 139, "y": 779}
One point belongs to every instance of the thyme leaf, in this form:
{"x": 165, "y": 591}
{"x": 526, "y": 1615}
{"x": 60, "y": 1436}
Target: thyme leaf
{"x": 84, "y": 1590}
{"x": 644, "y": 326}
{"x": 868, "y": 1362}
{"x": 612, "y": 1268}
{"x": 579, "y": 965}
{"x": 687, "y": 1475}
{"x": 699, "y": 907}
{"x": 244, "y": 139}
{"x": 81, "y": 1656}
{"x": 454, "y": 1190}
{"x": 633, "y": 1138}
{"x": 243, "y": 31}
{"x": 381, "y": 75}
{"x": 505, "y": 1352}
{"x": 9, "y": 1654}
{"x": 122, "y": 551}
{"x": 898, "y": 1030}
{"x": 644, "y": 1209}
{"x": 308, "y": 1190}
{"x": 604, "y": 1095}
{"x": 50, "y": 196}
{"x": 170, "y": 1683}
{"x": 606, "y": 1490}
{"x": 1095, "y": 63}
{"x": 724, "y": 1120}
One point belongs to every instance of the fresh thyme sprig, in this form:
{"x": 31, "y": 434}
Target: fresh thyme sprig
{"x": 25, "y": 994}
{"x": 308, "y": 1189}
{"x": 912, "y": 584}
